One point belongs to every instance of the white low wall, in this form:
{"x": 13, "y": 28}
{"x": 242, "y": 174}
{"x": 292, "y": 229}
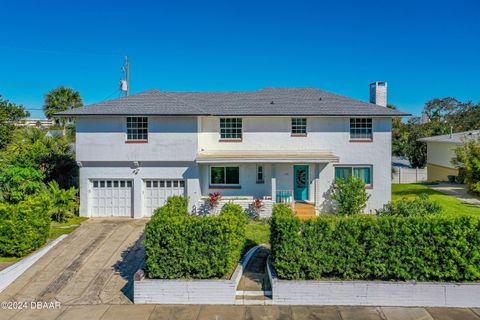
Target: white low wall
{"x": 195, "y": 291}
{"x": 265, "y": 212}
{"x": 374, "y": 293}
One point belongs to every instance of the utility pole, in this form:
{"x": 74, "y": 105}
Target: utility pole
{"x": 126, "y": 75}
{"x": 125, "y": 83}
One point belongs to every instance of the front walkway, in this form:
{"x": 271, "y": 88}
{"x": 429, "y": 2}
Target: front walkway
{"x": 458, "y": 191}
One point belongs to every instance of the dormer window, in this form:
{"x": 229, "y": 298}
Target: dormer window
{"x": 137, "y": 129}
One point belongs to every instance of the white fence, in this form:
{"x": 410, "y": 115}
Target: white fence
{"x": 409, "y": 175}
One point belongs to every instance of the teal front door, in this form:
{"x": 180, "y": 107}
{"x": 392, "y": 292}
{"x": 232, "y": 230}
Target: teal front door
{"x": 300, "y": 182}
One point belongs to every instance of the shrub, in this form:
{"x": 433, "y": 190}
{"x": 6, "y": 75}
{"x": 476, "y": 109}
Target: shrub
{"x": 422, "y": 248}
{"x": 179, "y": 246}
{"x": 467, "y": 160}
{"x": 16, "y": 183}
{"x": 349, "y": 196}
{"x": 419, "y": 206}
{"x": 255, "y": 208}
{"x": 178, "y": 202}
{"x": 24, "y": 226}
{"x": 214, "y": 199}
{"x": 175, "y": 205}
{"x": 65, "y": 202}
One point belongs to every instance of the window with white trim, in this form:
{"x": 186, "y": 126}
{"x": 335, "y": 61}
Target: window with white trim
{"x": 299, "y": 126}
{"x": 361, "y": 129}
{"x": 137, "y": 128}
{"x": 224, "y": 176}
{"x": 260, "y": 174}
{"x": 231, "y": 128}
{"x": 360, "y": 171}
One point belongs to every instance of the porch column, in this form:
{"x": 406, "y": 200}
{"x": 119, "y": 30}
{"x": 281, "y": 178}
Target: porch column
{"x": 274, "y": 183}
{"x": 316, "y": 191}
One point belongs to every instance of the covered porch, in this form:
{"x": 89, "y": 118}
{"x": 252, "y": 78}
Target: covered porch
{"x": 286, "y": 177}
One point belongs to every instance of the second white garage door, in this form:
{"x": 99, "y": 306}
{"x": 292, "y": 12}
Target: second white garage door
{"x": 111, "y": 198}
{"x": 158, "y": 191}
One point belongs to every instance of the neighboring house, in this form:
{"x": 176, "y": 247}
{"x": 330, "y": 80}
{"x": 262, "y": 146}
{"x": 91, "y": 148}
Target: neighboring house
{"x": 441, "y": 151}
{"x": 54, "y": 133}
{"x": 44, "y": 123}
{"x": 280, "y": 145}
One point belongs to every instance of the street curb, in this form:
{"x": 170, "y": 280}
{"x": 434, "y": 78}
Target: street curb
{"x": 10, "y": 274}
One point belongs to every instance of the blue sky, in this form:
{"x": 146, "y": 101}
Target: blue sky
{"x": 424, "y": 49}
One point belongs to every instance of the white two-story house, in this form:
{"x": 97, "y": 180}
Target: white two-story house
{"x": 279, "y": 145}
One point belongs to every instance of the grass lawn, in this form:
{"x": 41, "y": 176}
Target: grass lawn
{"x": 257, "y": 232}
{"x": 9, "y": 259}
{"x": 450, "y": 204}
{"x": 59, "y": 228}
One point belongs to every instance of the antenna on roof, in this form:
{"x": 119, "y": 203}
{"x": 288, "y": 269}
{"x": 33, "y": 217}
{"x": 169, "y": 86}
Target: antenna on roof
{"x": 124, "y": 83}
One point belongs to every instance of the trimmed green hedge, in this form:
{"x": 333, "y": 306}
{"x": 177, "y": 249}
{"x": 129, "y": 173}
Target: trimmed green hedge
{"x": 418, "y": 206}
{"x": 24, "y": 226}
{"x": 179, "y": 246}
{"x": 422, "y": 248}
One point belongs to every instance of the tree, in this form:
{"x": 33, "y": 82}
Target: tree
{"x": 9, "y": 113}
{"x": 349, "y": 196}
{"x": 51, "y": 155}
{"x": 16, "y": 183}
{"x": 443, "y": 115}
{"x": 61, "y": 99}
{"x": 399, "y": 135}
{"x": 416, "y": 150}
{"x": 467, "y": 160}
{"x": 441, "y": 108}
{"x": 64, "y": 202}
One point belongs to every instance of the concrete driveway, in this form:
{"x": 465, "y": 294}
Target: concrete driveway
{"x": 93, "y": 265}
{"x": 459, "y": 191}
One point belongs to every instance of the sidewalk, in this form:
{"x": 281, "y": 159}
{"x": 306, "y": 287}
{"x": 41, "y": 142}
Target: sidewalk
{"x": 458, "y": 191}
{"x": 217, "y": 312}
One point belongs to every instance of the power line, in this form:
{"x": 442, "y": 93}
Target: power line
{"x": 62, "y": 52}
{"x": 110, "y": 95}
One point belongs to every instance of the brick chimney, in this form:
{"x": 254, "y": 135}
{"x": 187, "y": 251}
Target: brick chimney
{"x": 378, "y": 93}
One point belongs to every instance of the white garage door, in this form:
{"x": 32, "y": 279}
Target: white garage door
{"x": 111, "y": 198}
{"x": 158, "y": 191}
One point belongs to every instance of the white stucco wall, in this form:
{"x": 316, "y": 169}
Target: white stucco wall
{"x": 174, "y": 142}
{"x": 169, "y": 139}
{"x": 441, "y": 153}
{"x": 324, "y": 133}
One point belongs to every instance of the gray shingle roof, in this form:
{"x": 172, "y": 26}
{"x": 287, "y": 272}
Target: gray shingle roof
{"x": 456, "y": 138}
{"x": 265, "y": 102}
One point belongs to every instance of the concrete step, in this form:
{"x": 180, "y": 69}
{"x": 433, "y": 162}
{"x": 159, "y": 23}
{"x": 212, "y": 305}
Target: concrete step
{"x": 305, "y": 210}
{"x": 252, "y": 293}
{"x": 258, "y": 299}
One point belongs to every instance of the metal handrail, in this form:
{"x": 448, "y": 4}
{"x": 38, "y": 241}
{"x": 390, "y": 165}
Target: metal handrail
{"x": 284, "y": 196}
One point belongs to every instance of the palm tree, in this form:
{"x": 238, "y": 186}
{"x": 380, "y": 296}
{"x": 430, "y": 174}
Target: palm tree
{"x": 65, "y": 201}
{"x": 61, "y": 99}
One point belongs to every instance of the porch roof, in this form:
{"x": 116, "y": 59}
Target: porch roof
{"x": 254, "y": 156}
